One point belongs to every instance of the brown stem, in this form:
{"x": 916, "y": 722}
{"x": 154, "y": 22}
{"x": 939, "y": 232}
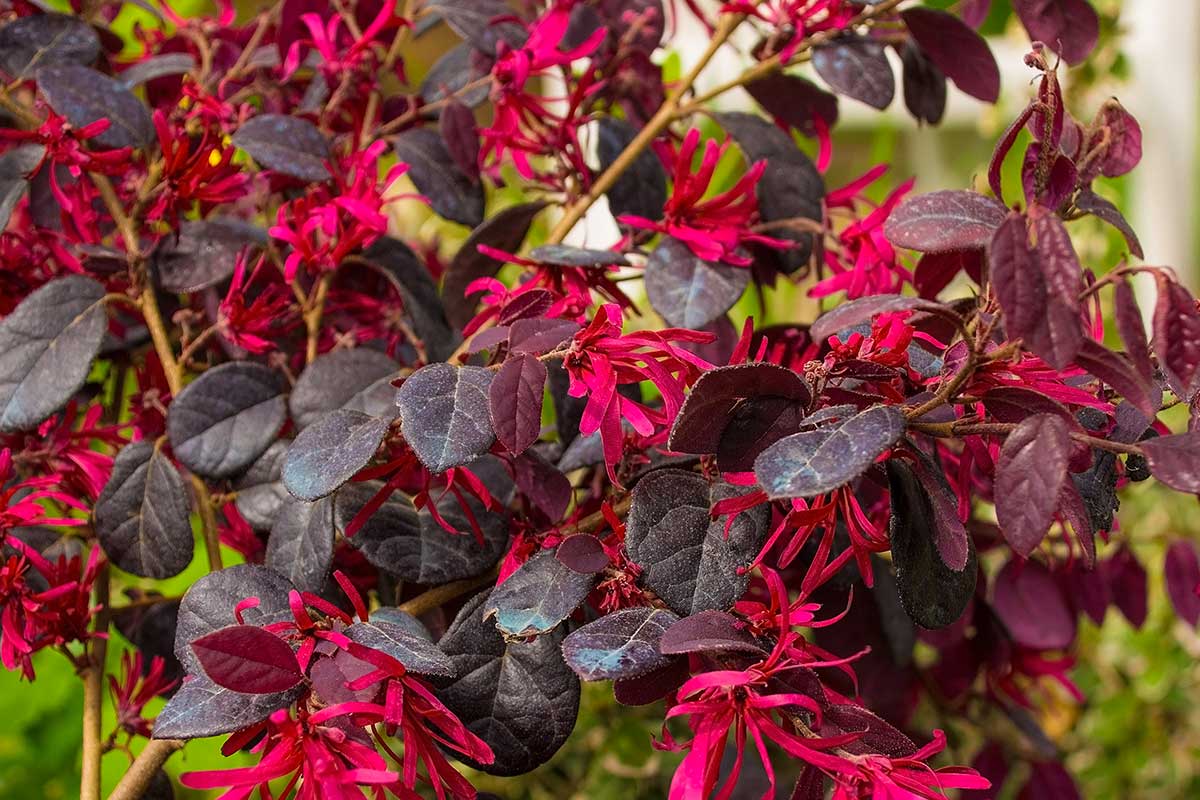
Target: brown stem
{"x": 431, "y": 599}
{"x": 137, "y": 778}
{"x": 947, "y": 430}
{"x": 314, "y": 314}
{"x": 93, "y": 695}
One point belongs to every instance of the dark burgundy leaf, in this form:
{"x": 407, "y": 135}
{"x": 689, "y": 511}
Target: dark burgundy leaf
{"x": 515, "y": 399}
{"x": 540, "y": 335}
{"x": 142, "y": 516}
{"x": 640, "y": 190}
{"x": 865, "y": 309}
{"x": 933, "y": 594}
{"x": 942, "y": 221}
{"x": 720, "y": 397}
{"x": 225, "y": 419}
{"x": 1129, "y": 323}
{"x": 1174, "y": 460}
{"x": 1176, "y": 328}
{"x": 1122, "y": 142}
{"x": 935, "y": 271}
{"x": 1030, "y": 474}
{"x": 444, "y": 414}
{"x": 537, "y": 597}
{"x": 201, "y": 709}
{"x": 47, "y": 345}
{"x": 1056, "y": 256}
{"x": 958, "y": 51}
{"x": 924, "y": 85}
{"x": 417, "y": 653}
{"x": 1030, "y": 284}
{"x": 1049, "y": 781}
{"x": 687, "y": 558}
{"x": 27, "y": 43}
{"x": 1015, "y": 403}
{"x": 15, "y": 166}
{"x": 709, "y": 631}
{"x": 857, "y": 67}
{"x": 330, "y": 676}
{"x": 623, "y": 644}
{"x": 1115, "y": 370}
{"x": 209, "y": 606}
{"x": 583, "y": 553}
{"x": 412, "y": 545}
{"x": 1089, "y": 592}
{"x": 563, "y": 255}
{"x": 158, "y": 66}
{"x": 653, "y": 686}
{"x": 456, "y": 124}
{"x": 878, "y": 736}
{"x": 1030, "y": 603}
{"x": 83, "y": 96}
{"x": 1068, "y": 27}
{"x": 1056, "y": 187}
{"x": 451, "y": 192}
{"x": 795, "y": 101}
{"x": 288, "y": 145}
{"x": 204, "y": 253}
{"x": 1095, "y": 489}
{"x": 329, "y": 453}
{"x": 505, "y": 231}
{"x": 1127, "y": 581}
{"x": 358, "y": 377}
{"x": 1182, "y": 572}
{"x": 260, "y": 491}
{"x": 450, "y": 74}
{"x": 301, "y": 543}
{"x": 949, "y": 533}
{"x": 519, "y": 697}
{"x": 974, "y": 12}
{"x": 248, "y": 659}
{"x": 543, "y": 484}
{"x": 814, "y": 462}
{"x": 422, "y": 303}
{"x": 484, "y": 23}
{"x": 527, "y": 305}
{"x": 688, "y": 291}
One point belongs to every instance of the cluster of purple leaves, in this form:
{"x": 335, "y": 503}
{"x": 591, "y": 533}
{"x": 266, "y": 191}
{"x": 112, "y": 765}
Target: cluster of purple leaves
{"x": 211, "y": 320}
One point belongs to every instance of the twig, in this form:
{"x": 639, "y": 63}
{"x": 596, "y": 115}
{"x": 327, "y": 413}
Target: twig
{"x": 93, "y": 695}
{"x": 137, "y": 779}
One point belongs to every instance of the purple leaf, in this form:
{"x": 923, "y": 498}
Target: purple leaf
{"x": 653, "y": 686}
{"x": 540, "y": 335}
{"x": 288, "y": 145}
{"x": 537, "y": 597}
{"x": 444, "y": 414}
{"x": 453, "y": 194}
{"x": 1032, "y": 607}
{"x": 301, "y": 543}
{"x": 562, "y": 255}
{"x": 1173, "y": 460}
{"x": 709, "y": 631}
{"x": 543, "y": 483}
{"x": 1058, "y": 185}
{"x": 142, "y": 516}
{"x": 248, "y": 659}
{"x": 515, "y": 400}
{"x": 814, "y": 462}
{"x": 949, "y": 533}
{"x": 47, "y": 345}
{"x": 1015, "y": 403}
{"x": 942, "y": 221}
{"x": 1122, "y": 140}
{"x": 796, "y": 102}
{"x": 687, "y": 557}
{"x": 975, "y": 12}
{"x": 583, "y": 553}
{"x": 933, "y": 593}
{"x": 1177, "y": 334}
{"x": 1127, "y": 580}
{"x": 864, "y": 309}
{"x": 1089, "y": 592}
{"x": 623, "y": 644}
{"x": 260, "y": 490}
{"x": 1049, "y": 781}
{"x": 225, "y": 419}
{"x": 412, "y": 545}
{"x": 27, "y": 43}
{"x": 416, "y": 653}
{"x": 456, "y": 123}
{"x": 738, "y": 411}
{"x": 688, "y": 291}
{"x": 505, "y": 231}
{"x": 331, "y": 451}
{"x": 1182, "y": 572}
{"x": 924, "y": 85}
{"x": 957, "y": 50}
{"x": 203, "y": 252}
{"x": 358, "y": 377}
{"x": 1030, "y": 472}
{"x": 1129, "y": 323}
{"x": 201, "y": 709}
{"x": 1115, "y": 370}
{"x": 1068, "y": 27}
{"x": 857, "y": 67}
{"x": 640, "y": 190}
{"x": 935, "y": 271}
{"x": 83, "y": 96}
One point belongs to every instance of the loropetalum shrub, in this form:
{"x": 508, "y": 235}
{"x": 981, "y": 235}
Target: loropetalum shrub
{"x": 214, "y": 330}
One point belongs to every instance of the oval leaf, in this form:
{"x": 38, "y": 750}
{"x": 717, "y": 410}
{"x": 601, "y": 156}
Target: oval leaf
{"x": 1030, "y": 473}
{"x": 505, "y": 231}
{"x": 688, "y": 291}
{"x": 248, "y": 659}
{"x": 939, "y": 222}
{"x": 27, "y": 43}
{"x": 417, "y": 653}
{"x": 814, "y": 462}
{"x": 857, "y": 67}
{"x": 640, "y": 190}
{"x": 357, "y": 377}
{"x": 288, "y": 145}
{"x": 225, "y": 419}
{"x": 83, "y": 96}
{"x": 623, "y": 644}
{"x": 538, "y": 596}
{"x": 201, "y": 709}
{"x": 46, "y": 349}
{"x": 515, "y": 401}
{"x": 141, "y": 517}
{"x": 329, "y": 453}
{"x": 301, "y": 543}
{"x": 1173, "y": 460}
{"x": 1030, "y": 603}
{"x": 451, "y": 192}
{"x": 959, "y": 52}
{"x": 1182, "y": 572}
{"x": 260, "y": 491}
{"x": 445, "y": 414}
